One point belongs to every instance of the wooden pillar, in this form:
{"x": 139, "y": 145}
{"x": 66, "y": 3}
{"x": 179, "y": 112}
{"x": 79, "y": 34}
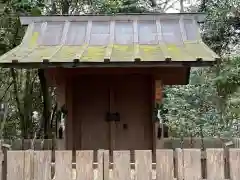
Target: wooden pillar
{"x": 158, "y": 95}
{"x": 112, "y": 124}
{"x": 69, "y": 138}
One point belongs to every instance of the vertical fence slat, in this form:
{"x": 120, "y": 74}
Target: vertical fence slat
{"x": 179, "y": 164}
{"x": 192, "y": 164}
{"x": 164, "y": 164}
{"x": 42, "y": 165}
{"x": 234, "y": 163}
{"x": 28, "y": 165}
{"x": 215, "y": 164}
{"x": 106, "y": 165}
{"x": 121, "y": 166}
{"x": 84, "y": 165}
{"x": 63, "y": 165}
{"x": 15, "y": 165}
{"x": 143, "y": 165}
{"x": 103, "y": 165}
{"x": 100, "y": 168}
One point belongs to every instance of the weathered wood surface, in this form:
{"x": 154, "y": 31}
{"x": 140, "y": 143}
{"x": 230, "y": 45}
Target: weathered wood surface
{"x": 121, "y": 166}
{"x": 215, "y": 164}
{"x": 234, "y": 164}
{"x": 37, "y": 165}
{"x": 164, "y": 164}
{"x": 41, "y": 165}
{"x": 143, "y": 165}
{"x": 63, "y": 165}
{"x": 15, "y": 165}
{"x": 84, "y": 165}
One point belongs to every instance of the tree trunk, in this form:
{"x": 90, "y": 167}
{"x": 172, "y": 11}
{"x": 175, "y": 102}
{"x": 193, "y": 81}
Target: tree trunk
{"x": 46, "y": 104}
{"x": 28, "y": 103}
{"x": 181, "y": 6}
{"x": 65, "y": 7}
{"x": 19, "y": 106}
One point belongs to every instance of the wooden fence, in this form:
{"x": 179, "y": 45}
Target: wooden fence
{"x": 181, "y": 164}
{"x": 168, "y": 143}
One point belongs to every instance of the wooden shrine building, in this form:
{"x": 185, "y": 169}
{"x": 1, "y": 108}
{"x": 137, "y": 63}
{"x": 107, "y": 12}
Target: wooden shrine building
{"x": 109, "y": 71}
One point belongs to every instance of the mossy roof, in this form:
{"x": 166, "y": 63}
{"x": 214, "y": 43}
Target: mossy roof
{"x": 111, "y": 39}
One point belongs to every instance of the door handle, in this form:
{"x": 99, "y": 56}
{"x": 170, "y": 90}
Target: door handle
{"x": 113, "y": 116}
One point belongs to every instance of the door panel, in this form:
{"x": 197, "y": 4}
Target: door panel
{"x": 133, "y": 102}
{"x": 92, "y": 103}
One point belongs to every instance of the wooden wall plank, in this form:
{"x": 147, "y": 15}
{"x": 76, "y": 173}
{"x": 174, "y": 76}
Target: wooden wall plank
{"x": 192, "y": 164}
{"x": 84, "y": 165}
{"x": 63, "y": 165}
{"x": 42, "y": 165}
{"x": 143, "y": 165}
{"x": 215, "y": 164}
{"x": 15, "y": 165}
{"x": 121, "y": 166}
{"x": 234, "y": 161}
{"x": 164, "y": 164}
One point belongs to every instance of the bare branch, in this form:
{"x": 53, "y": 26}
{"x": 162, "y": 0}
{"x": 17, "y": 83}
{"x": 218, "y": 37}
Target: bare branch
{"x": 5, "y": 92}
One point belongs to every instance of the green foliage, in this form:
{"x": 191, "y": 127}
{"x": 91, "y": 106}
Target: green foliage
{"x": 222, "y": 25}
{"x": 193, "y": 109}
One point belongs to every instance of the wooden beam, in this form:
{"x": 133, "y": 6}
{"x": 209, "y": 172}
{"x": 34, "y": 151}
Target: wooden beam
{"x": 109, "y": 48}
{"x": 86, "y": 42}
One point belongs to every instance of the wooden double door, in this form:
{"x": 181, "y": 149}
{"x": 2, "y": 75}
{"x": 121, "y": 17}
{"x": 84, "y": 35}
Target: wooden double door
{"x": 127, "y": 95}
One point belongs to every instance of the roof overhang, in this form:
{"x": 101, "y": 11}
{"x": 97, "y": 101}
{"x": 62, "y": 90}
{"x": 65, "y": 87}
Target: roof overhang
{"x": 47, "y": 64}
{"x": 122, "y": 40}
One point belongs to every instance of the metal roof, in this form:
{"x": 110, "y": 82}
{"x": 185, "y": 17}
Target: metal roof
{"x": 123, "y": 38}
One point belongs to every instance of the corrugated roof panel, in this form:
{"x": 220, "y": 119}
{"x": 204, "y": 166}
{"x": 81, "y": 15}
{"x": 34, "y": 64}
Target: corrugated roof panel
{"x": 175, "y": 39}
{"x": 94, "y": 54}
{"x": 34, "y": 35}
{"x": 100, "y": 33}
{"x": 178, "y": 53}
{"x": 170, "y": 30}
{"x": 122, "y": 53}
{"x": 147, "y": 32}
{"x": 20, "y": 54}
{"x": 123, "y": 32}
{"x": 151, "y": 53}
{"x": 76, "y": 33}
{"x": 191, "y": 30}
{"x": 67, "y": 53}
{"x": 198, "y": 50}
{"x": 53, "y": 34}
{"x": 41, "y": 53}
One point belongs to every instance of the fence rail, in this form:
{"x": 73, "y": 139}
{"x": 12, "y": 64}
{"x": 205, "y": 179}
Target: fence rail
{"x": 168, "y": 143}
{"x": 185, "y": 164}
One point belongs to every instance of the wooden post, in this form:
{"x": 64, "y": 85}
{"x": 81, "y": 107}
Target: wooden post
{"x": 112, "y": 124}
{"x": 70, "y": 143}
{"x": 1, "y": 161}
{"x": 157, "y": 102}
